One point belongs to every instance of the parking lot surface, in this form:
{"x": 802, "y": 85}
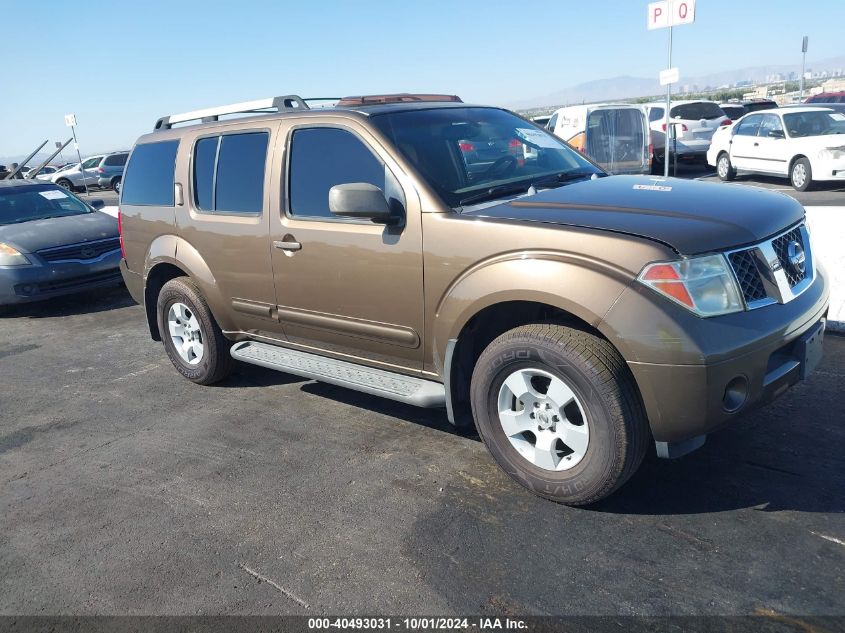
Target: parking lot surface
{"x": 125, "y": 489}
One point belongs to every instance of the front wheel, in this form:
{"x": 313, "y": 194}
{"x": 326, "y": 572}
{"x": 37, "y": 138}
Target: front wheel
{"x": 192, "y": 339}
{"x": 64, "y": 183}
{"x": 801, "y": 175}
{"x": 724, "y": 168}
{"x": 559, "y": 411}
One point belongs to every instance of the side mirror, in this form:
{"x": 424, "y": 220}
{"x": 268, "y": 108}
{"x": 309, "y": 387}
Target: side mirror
{"x": 776, "y": 134}
{"x": 96, "y": 204}
{"x": 360, "y": 200}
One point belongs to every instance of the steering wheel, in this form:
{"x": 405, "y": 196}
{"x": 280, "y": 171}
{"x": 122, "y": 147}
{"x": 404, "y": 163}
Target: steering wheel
{"x": 503, "y": 166}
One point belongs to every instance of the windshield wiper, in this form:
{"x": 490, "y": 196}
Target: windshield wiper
{"x": 491, "y": 193}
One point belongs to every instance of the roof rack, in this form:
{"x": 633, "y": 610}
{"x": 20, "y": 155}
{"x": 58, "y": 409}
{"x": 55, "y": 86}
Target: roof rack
{"x": 284, "y": 103}
{"x": 404, "y": 97}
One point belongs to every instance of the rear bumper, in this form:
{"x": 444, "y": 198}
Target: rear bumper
{"x": 25, "y": 284}
{"x": 695, "y": 374}
{"x": 134, "y": 282}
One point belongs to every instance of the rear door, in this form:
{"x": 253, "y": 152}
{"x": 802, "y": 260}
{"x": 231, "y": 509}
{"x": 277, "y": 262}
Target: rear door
{"x": 743, "y": 140}
{"x": 347, "y": 287}
{"x": 224, "y": 175}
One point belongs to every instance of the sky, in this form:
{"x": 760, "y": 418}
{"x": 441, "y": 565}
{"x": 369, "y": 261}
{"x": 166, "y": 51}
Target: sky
{"x": 120, "y": 65}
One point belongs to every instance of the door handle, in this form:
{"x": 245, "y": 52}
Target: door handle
{"x": 756, "y": 144}
{"x": 287, "y": 245}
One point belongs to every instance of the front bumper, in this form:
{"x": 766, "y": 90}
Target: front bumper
{"x": 696, "y": 374}
{"x": 828, "y": 169}
{"x": 40, "y": 280}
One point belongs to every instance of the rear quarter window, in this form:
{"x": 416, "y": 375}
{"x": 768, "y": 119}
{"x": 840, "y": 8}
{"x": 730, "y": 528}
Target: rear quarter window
{"x": 149, "y": 175}
{"x": 116, "y": 160}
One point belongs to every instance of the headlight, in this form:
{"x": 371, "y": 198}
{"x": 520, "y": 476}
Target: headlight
{"x": 704, "y": 285}
{"x": 832, "y": 152}
{"x": 11, "y": 257}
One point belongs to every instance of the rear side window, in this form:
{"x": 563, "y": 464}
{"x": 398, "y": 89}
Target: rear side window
{"x": 229, "y": 173}
{"x": 149, "y": 175}
{"x": 321, "y": 158}
{"x": 116, "y": 160}
{"x": 697, "y": 110}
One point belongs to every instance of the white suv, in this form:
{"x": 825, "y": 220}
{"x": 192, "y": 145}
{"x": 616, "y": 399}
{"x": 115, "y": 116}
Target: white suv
{"x": 694, "y": 123}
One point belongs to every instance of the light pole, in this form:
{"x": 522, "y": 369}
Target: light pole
{"x": 803, "y": 64}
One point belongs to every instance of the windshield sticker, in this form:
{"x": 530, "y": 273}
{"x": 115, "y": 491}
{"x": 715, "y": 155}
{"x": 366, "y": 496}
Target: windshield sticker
{"x": 653, "y": 187}
{"x": 537, "y": 137}
{"x": 837, "y": 116}
{"x": 53, "y": 194}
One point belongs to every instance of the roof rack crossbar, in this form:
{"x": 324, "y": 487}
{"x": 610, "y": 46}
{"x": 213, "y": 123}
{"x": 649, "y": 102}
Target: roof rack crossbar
{"x": 259, "y": 106}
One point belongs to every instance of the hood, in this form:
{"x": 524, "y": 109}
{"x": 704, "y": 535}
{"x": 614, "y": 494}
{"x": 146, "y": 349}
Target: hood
{"x": 37, "y": 234}
{"x": 688, "y": 215}
{"x": 822, "y": 141}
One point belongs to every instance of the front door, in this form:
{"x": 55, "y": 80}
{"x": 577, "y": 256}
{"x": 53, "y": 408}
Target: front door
{"x": 347, "y": 287}
{"x": 770, "y": 150}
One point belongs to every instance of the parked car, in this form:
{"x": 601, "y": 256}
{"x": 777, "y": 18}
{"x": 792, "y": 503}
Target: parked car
{"x": 542, "y": 120}
{"x": 693, "y": 122}
{"x": 52, "y": 243}
{"x": 733, "y": 110}
{"x": 45, "y": 171}
{"x": 806, "y": 145}
{"x": 755, "y": 105}
{"x": 826, "y": 97}
{"x": 76, "y": 178}
{"x": 110, "y": 171}
{"x": 572, "y": 317}
{"x": 613, "y": 135}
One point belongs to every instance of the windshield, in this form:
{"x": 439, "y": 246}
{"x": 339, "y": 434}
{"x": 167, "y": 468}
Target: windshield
{"x": 465, "y": 153}
{"x": 697, "y": 110}
{"x": 24, "y": 204}
{"x": 814, "y": 123}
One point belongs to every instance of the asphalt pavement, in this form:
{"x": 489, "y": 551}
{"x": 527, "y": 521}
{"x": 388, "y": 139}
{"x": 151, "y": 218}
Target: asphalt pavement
{"x": 126, "y": 489}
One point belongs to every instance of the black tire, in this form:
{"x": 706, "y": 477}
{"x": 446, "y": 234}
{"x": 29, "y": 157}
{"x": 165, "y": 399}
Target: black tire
{"x": 115, "y": 185}
{"x": 599, "y": 378}
{"x": 726, "y": 172}
{"x": 795, "y": 179}
{"x": 65, "y": 184}
{"x": 216, "y": 362}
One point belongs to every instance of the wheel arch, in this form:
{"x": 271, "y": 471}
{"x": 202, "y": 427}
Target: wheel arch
{"x": 170, "y": 257}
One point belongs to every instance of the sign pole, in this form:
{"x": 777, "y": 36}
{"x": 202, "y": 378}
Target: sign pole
{"x": 70, "y": 121}
{"x": 667, "y": 125}
{"x": 803, "y": 64}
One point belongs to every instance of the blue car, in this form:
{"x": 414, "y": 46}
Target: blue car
{"x": 52, "y": 243}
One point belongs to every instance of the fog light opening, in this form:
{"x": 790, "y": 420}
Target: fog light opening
{"x": 736, "y": 392}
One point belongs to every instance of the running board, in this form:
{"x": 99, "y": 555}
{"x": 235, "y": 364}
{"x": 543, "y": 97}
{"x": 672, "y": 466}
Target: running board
{"x": 378, "y": 382}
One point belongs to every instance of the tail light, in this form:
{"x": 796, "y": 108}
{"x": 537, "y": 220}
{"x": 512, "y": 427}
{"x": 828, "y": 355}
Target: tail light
{"x": 726, "y": 122}
{"x": 120, "y": 233}
{"x": 100, "y": 170}
{"x": 650, "y": 151}
{"x": 466, "y": 147}
{"x": 684, "y": 128}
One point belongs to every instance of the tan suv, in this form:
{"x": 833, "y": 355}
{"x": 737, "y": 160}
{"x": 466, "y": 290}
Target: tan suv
{"x": 573, "y": 317}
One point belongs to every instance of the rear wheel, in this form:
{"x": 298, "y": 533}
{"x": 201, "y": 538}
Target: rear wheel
{"x": 724, "y": 168}
{"x": 801, "y": 175}
{"x": 558, "y": 409}
{"x": 115, "y": 185}
{"x": 192, "y": 339}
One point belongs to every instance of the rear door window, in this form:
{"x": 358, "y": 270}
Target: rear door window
{"x": 149, "y": 174}
{"x": 228, "y": 173}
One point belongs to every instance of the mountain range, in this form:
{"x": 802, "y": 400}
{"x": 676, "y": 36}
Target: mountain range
{"x": 625, "y": 86}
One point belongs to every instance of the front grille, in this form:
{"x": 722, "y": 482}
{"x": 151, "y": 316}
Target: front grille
{"x": 81, "y": 252}
{"x": 781, "y": 244}
{"x": 765, "y": 274}
{"x": 745, "y": 267}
